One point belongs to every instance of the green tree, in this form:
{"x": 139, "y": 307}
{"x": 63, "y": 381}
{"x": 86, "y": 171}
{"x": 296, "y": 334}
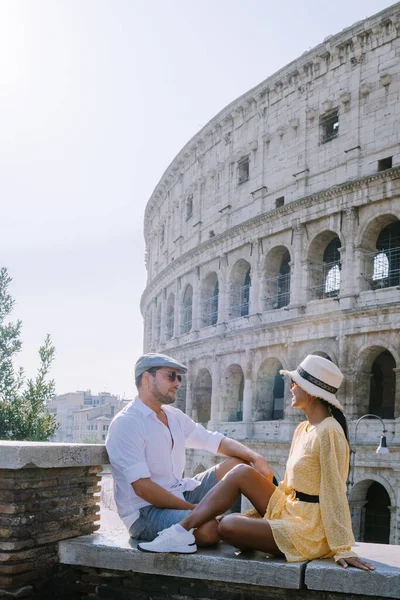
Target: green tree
{"x": 23, "y": 414}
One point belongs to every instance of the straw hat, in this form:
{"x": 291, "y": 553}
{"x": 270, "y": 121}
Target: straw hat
{"x": 319, "y": 377}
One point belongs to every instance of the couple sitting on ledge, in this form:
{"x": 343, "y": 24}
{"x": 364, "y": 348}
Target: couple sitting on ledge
{"x": 303, "y": 518}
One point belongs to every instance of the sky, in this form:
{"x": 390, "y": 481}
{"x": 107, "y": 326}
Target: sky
{"x": 96, "y": 99}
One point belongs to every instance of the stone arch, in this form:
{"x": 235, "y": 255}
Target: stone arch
{"x": 202, "y": 396}
{"x": 324, "y": 266}
{"x": 277, "y": 278}
{"x": 381, "y": 252}
{"x": 232, "y": 408}
{"x": 187, "y": 309}
{"x": 239, "y": 289}
{"x": 322, "y": 354}
{"x": 370, "y": 503}
{"x": 376, "y": 382}
{"x": 180, "y": 398}
{"x": 270, "y": 391}
{"x": 170, "y": 317}
{"x": 209, "y": 298}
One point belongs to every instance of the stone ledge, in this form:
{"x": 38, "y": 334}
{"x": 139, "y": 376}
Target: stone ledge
{"x": 112, "y": 549}
{"x": 46, "y": 455}
{"x": 385, "y": 581}
{"x": 118, "y": 552}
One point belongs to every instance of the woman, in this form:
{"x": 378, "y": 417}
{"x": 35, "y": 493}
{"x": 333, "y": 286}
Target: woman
{"x": 307, "y": 516}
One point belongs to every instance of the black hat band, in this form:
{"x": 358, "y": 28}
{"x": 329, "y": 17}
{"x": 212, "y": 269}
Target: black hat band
{"x": 317, "y": 382}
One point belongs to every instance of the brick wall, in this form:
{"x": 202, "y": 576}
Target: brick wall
{"x": 39, "y": 507}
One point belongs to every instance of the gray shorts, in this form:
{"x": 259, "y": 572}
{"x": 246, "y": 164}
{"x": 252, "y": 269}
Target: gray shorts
{"x": 153, "y": 519}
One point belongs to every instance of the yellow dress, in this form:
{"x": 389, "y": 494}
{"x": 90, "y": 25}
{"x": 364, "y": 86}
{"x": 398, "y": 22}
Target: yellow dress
{"x": 317, "y": 465}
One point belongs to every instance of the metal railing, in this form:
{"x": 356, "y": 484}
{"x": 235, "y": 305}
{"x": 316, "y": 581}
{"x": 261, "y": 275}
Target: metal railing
{"x": 187, "y": 319}
{"x": 382, "y": 268}
{"x": 326, "y": 278}
{"x": 209, "y": 311}
{"x": 240, "y": 301}
{"x": 277, "y": 291}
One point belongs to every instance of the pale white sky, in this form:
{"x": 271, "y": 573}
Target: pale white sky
{"x": 96, "y": 99}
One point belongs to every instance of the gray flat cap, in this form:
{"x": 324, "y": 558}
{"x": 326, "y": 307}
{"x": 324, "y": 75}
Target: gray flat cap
{"x": 153, "y": 359}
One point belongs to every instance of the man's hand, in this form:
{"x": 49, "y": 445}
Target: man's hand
{"x": 260, "y": 464}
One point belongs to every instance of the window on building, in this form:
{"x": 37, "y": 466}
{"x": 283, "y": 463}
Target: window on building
{"x": 385, "y": 163}
{"x": 329, "y": 126}
{"x": 189, "y": 207}
{"x": 243, "y": 170}
{"x": 279, "y": 201}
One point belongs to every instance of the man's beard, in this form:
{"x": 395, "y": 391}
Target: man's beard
{"x": 163, "y": 398}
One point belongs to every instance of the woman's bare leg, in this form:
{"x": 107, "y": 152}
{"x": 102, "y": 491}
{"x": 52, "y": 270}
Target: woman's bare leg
{"x": 242, "y": 479}
{"x": 246, "y": 533}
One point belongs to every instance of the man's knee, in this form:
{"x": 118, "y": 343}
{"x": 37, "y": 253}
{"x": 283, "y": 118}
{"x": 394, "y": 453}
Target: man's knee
{"x": 227, "y": 465}
{"x": 207, "y": 534}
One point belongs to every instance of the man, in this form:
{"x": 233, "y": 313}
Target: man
{"x": 146, "y": 445}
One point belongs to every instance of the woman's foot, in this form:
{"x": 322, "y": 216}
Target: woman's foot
{"x": 173, "y": 539}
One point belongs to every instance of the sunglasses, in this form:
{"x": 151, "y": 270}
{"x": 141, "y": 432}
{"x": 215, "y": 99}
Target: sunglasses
{"x": 172, "y": 375}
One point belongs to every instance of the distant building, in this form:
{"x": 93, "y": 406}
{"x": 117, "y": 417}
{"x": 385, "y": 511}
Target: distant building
{"x": 83, "y": 416}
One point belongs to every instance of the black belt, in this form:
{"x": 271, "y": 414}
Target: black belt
{"x": 306, "y": 497}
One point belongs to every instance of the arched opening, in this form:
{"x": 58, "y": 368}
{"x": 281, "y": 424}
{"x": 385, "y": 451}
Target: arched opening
{"x": 387, "y": 260}
{"x": 382, "y": 386}
{"x": 209, "y": 300}
{"x": 322, "y": 354}
{"x": 202, "y": 396}
{"x": 234, "y": 386}
{"x": 240, "y": 283}
{"x": 324, "y": 266}
{"x": 149, "y": 328}
{"x": 377, "y": 515}
{"x": 381, "y": 252}
{"x": 370, "y": 512}
{"x": 187, "y": 310}
{"x": 277, "y": 278}
{"x": 270, "y": 391}
{"x": 180, "y": 398}
{"x": 169, "y": 322}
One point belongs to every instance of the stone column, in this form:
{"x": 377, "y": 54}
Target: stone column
{"x": 215, "y": 395}
{"x": 196, "y": 300}
{"x": 163, "y": 325}
{"x": 189, "y": 391}
{"x": 47, "y": 495}
{"x": 223, "y": 299}
{"x": 397, "y": 393}
{"x": 248, "y": 387}
{"x": 298, "y": 268}
{"x": 357, "y": 511}
{"x": 177, "y": 312}
{"x": 348, "y": 283}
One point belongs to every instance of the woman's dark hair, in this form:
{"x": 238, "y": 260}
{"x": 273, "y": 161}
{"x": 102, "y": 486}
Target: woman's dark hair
{"x": 338, "y": 415}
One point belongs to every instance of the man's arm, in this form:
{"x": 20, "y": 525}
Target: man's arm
{"x": 158, "y": 496}
{"x": 230, "y": 447}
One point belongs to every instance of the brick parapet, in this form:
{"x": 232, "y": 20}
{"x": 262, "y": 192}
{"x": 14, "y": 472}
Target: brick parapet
{"x": 48, "y": 493}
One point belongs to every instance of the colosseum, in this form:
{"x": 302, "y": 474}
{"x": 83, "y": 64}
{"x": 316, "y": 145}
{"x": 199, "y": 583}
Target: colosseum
{"x": 275, "y": 233}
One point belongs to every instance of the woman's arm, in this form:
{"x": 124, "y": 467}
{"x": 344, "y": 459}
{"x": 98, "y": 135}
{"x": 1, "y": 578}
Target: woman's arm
{"x": 335, "y": 513}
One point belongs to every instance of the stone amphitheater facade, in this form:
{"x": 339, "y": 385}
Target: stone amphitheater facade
{"x": 274, "y": 233}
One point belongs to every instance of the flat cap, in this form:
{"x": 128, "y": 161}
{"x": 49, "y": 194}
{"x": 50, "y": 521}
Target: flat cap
{"x": 154, "y": 359}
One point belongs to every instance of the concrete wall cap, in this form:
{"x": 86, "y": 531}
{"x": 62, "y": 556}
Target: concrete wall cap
{"x": 48, "y": 455}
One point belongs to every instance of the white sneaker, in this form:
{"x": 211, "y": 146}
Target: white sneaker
{"x": 171, "y": 540}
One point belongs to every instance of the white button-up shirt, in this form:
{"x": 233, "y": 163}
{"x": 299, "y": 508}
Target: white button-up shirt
{"x": 139, "y": 445}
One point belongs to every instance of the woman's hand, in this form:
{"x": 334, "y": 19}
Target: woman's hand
{"x": 354, "y": 561}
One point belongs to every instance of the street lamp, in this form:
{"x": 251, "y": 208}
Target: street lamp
{"x": 381, "y": 449}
